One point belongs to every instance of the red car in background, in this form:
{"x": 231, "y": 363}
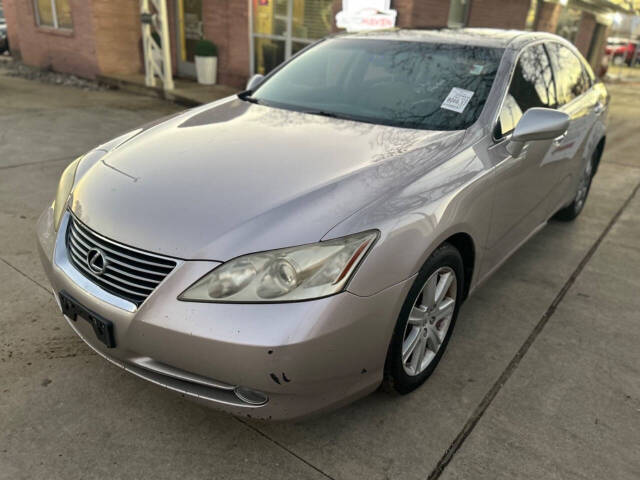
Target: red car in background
{"x": 622, "y": 50}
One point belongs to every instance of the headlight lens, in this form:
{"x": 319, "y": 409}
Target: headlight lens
{"x": 64, "y": 189}
{"x": 290, "y": 274}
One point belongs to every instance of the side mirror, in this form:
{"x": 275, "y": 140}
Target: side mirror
{"x": 537, "y": 124}
{"x": 254, "y": 81}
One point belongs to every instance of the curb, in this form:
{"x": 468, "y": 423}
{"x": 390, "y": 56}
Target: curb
{"x": 156, "y": 92}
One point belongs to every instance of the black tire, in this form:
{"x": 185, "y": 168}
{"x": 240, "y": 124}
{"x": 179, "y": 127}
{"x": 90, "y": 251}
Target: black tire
{"x": 571, "y": 211}
{"x": 395, "y": 377}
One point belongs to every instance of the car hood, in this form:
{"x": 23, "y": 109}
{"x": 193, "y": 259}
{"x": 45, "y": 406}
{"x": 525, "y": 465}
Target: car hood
{"x": 232, "y": 178}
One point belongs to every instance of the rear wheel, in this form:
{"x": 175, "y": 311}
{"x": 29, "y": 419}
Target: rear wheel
{"x": 571, "y": 211}
{"x": 426, "y": 321}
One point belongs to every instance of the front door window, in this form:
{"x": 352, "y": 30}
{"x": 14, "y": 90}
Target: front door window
{"x": 531, "y": 86}
{"x": 280, "y": 28}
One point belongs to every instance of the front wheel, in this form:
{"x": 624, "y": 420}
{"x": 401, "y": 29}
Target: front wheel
{"x": 426, "y": 321}
{"x": 571, "y": 211}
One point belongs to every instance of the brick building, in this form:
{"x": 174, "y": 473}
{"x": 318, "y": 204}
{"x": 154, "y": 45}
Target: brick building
{"x": 103, "y": 37}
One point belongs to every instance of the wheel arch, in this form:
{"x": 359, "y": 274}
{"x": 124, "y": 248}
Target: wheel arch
{"x": 598, "y": 152}
{"x": 463, "y": 242}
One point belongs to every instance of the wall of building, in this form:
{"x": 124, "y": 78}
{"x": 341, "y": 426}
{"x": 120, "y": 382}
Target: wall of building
{"x": 585, "y": 32}
{"x": 118, "y": 36}
{"x": 597, "y": 50}
{"x": 11, "y": 18}
{"x": 226, "y": 23}
{"x": 422, "y": 13}
{"x": 548, "y": 15}
{"x": 71, "y": 51}
{"x": 499, "y": 14}
{"x": 106, "y": 38}
{"x": 482, "y": 13}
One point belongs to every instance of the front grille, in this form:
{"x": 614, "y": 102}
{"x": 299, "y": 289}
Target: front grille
{"x": 127, "y": 272}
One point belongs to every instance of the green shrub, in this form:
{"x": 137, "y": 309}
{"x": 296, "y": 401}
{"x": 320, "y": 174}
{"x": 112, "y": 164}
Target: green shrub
{"x": 205, "y": 48}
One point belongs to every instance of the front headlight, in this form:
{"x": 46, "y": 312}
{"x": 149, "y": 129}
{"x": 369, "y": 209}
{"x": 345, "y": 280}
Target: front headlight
{"x": 285, "y": 275}
{"x": 64, "y": 189}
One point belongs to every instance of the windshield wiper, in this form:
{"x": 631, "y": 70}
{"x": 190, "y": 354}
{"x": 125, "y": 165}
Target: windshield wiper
{"x": 322, "y": 113}
{"x": 246, "y": 96}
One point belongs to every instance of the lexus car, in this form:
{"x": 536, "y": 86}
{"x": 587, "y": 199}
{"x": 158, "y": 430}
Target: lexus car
{"x": 289, "y": 249}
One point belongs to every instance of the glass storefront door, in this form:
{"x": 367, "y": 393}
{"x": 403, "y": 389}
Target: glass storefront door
{"x": 280, "y": 28}
{"x": 189, "y": 31}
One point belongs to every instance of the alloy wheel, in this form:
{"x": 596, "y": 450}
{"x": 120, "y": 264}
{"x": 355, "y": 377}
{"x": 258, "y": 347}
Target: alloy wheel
{"x": 429, "y": 321}
{"x": 583, "y": 187}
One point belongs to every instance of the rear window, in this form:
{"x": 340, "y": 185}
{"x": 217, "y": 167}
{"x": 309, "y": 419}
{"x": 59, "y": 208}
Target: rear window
{"x": 431, "y": 86}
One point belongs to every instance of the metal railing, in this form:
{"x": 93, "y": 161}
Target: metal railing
{"x": 157, "y": 58}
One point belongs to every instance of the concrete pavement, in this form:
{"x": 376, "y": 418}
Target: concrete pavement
{"x": 541, "y": 379}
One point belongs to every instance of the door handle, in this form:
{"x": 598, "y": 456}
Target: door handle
{"x": 558, "y": 140}
{"x": 598, "y": 108}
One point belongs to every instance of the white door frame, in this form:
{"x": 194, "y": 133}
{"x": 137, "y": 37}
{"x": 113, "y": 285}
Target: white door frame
{"x": 157, "y": 60}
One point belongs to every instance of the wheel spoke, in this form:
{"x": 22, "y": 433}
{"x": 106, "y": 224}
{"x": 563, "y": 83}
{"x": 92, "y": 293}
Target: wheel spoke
{"x": 445, "y": 309}
{"x": 433, "y": 339}
{"x": 417, "y": 315}
{"x": 443, "y": 286}
{"x": 410, "y": 343}
{"x": 429, "y": 294}
{"x": 418, "y": 354}
{"x": 429, "y": 321}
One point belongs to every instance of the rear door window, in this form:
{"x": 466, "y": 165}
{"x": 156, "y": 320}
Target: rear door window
{"x": 531, "y": 86}
{"x": 571, "y": 78}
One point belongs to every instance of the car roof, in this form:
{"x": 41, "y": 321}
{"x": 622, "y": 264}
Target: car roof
{"x": 487, "y": 37}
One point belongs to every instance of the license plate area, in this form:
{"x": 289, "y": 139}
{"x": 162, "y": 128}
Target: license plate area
{"x": 102, "y": 327}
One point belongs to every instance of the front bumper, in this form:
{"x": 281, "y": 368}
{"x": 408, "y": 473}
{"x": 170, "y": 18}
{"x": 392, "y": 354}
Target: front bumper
{"x": 306, "y": 356}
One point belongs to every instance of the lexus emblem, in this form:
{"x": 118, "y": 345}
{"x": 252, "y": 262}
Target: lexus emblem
{"x": 97, "y": 261}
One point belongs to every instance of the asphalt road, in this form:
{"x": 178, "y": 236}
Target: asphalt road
{"x": 541, "y": 379}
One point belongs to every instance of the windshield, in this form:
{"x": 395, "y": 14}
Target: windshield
{"x": 402, "y": 83}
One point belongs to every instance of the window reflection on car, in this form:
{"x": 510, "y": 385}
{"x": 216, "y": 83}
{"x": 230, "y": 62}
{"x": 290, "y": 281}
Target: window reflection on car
{"x": 533, "y": 85}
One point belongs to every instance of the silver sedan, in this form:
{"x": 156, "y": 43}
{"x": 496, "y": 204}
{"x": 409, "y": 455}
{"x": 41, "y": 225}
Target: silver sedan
{"x": 289, "y": 249}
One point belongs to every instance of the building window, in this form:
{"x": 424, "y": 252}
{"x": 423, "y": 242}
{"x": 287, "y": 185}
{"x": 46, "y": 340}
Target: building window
{"x": 281, "y": 28}
{"x": 53, "y": 13}
{"x": 458, "y": 13}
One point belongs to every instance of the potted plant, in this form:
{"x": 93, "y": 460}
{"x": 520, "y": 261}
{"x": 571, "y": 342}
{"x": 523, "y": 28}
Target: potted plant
{"x": 206, "y": 54}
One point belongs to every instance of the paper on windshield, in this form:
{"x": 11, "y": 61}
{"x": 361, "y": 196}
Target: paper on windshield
{"x": 457, "y": 99}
